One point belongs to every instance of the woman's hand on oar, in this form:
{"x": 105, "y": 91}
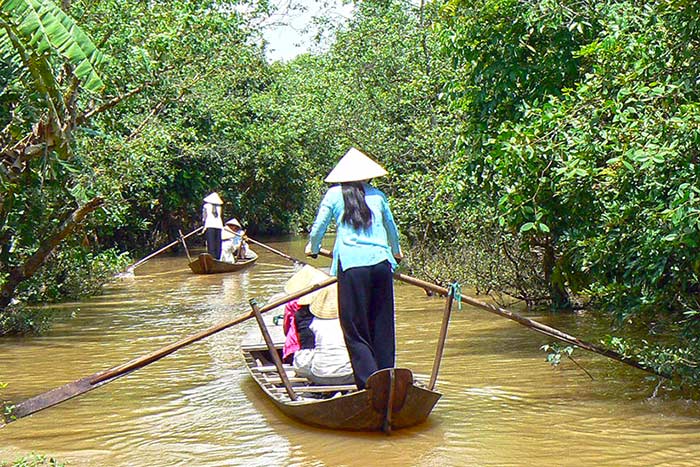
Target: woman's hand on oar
{"x": 307, "y": 251}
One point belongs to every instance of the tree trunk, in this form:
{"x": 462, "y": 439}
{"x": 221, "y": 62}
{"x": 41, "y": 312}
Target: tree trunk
{"x": 554, "y": 279}
{"x": 33, "y": 263}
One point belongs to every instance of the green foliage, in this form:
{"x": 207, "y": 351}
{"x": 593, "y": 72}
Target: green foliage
{"x": 6, "y": 407}
{"x": 626, "y": 161}
{"x": 34, "y": 27}
{"x": 196, "y": 126}
{"x": 377, "y": 89}
{"x": 679, "y": 359}
{"x": 151, "y": 149}
{"x": 511, "y": 53}
{"x": 34, "y": 460}
{"x": 555, "y": 352}
{"x": 25, "y": 321}
{"x": 40, "y": 110}
{"x": 581, "y": 139}
{"x": 73, "y": 273}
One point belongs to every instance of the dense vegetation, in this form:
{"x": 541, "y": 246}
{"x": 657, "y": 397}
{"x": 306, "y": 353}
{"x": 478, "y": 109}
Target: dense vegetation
{"x": 544, "y": 151}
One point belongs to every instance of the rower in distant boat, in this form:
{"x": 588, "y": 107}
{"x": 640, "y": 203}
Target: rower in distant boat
{"x": 236, "y": 254}
{"x": 213, "y": 225}
{"x": 233, "y": 246}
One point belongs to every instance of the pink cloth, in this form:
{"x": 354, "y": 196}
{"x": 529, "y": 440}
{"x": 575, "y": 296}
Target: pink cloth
{"x": 289, "y": 326}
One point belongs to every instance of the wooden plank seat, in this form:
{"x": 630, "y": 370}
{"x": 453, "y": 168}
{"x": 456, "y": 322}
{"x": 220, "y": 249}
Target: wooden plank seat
{"x": 300, "y": 389}
{"x": 271, "y": 368}
{"x": 292, "y": 379}
{"x": 257, "y": 347}
{"x": 270, "y": 375}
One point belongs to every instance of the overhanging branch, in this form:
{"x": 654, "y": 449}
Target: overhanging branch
{"x": 34, "y": 262}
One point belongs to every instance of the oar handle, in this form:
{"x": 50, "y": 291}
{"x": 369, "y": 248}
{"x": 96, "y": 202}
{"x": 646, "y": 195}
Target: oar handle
{"x": 143, "y": 260}
{"x": 270, "y": 249}
{"x": 403, "y": 278}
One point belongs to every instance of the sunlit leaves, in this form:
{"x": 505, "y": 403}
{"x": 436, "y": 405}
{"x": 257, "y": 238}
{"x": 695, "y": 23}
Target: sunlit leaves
{"x": 39, "y": 26}
{"x": 602, "y": 165}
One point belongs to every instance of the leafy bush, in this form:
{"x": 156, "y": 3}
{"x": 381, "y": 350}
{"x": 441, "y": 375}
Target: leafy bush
{"x": 34, "y": 460}
{"x": 24, "y": 320}
{"x": 73, "y": 273}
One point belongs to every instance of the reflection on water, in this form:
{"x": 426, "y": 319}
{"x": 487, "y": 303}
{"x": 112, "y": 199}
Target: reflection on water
{"x": 501, "y": 405}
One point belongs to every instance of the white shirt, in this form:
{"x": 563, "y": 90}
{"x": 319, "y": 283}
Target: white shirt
{"x": 303, "y": 358}
{"x": 210, "y": 220}
{"x": 331, "y": 357}
{"x": 228, "y": 251}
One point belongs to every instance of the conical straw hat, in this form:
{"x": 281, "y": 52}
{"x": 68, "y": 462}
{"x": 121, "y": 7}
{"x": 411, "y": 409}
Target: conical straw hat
{"x": 325, "y": 304}
{"x": 355, "y": 166}
{"x": 213, "y": 198}
{"x": 307, "y": 276}
{"x": 228, "y": 232}
{"x": 234, "y": 221}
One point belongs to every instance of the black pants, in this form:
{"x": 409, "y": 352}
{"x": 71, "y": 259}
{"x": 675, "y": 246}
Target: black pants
{"x": 214, "y": 242}
{"x": 366, "y": 305}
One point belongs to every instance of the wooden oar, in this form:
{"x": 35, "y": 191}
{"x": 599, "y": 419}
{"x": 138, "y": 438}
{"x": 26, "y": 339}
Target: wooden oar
{"x": 184, "y": 244}
{"x": 441, "y": 340}
{"x": 88, "y": 383}
{"x": 534, "y": 325}
{"x": 272, "y": 250}
{"x": 156, "y": 253}
{"x": 529, "y": 323}
{"x": 273, "y": 352}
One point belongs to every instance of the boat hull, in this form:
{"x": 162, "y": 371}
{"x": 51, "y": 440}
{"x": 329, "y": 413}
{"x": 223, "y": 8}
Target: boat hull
{"x": 391, "y": 401}
{"x": 206, "y": 264}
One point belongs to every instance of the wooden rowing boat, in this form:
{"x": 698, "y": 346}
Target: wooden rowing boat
{"x": 206, "y": 264}
{"x": 393, "y": 399}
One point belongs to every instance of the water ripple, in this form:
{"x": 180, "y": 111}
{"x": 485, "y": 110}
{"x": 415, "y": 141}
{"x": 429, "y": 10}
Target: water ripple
{"x": 502, "y": 404}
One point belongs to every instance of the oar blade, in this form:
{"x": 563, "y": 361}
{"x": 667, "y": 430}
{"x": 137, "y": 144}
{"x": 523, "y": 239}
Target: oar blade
{"x": 53, "y": 397}
{"x": 83, "y": 385}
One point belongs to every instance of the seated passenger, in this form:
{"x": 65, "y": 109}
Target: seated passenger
{"x": 233, "y": 246}
{"x": 289, "y": 326}
{"x": 322, "y": 356}
{"x": 303, "y": 357}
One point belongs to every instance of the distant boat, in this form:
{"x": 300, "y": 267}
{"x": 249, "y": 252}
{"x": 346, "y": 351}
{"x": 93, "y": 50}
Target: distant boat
{"x": 206, "y": 264}
{"x": 392, "y": 399}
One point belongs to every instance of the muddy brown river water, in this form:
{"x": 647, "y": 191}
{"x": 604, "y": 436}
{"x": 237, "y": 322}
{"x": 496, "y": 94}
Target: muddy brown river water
{"x": 502, "y": 404}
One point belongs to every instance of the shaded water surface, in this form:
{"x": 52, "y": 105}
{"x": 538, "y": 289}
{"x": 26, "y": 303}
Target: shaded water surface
{"x": 502, "y": 404}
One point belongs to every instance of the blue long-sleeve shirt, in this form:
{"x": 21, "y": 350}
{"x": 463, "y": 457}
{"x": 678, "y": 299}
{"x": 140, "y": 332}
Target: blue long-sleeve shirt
{"x": 354, "y": 248}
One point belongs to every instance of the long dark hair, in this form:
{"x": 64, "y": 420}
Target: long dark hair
{"x": 357, "y": 213}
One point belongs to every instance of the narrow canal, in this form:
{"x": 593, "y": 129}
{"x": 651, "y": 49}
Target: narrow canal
{"x": 502, "y": 404}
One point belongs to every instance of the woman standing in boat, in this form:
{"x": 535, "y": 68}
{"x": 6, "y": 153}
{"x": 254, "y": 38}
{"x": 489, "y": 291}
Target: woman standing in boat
{"x": 213, "y": 225}
{"x": 365, "y": 254}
